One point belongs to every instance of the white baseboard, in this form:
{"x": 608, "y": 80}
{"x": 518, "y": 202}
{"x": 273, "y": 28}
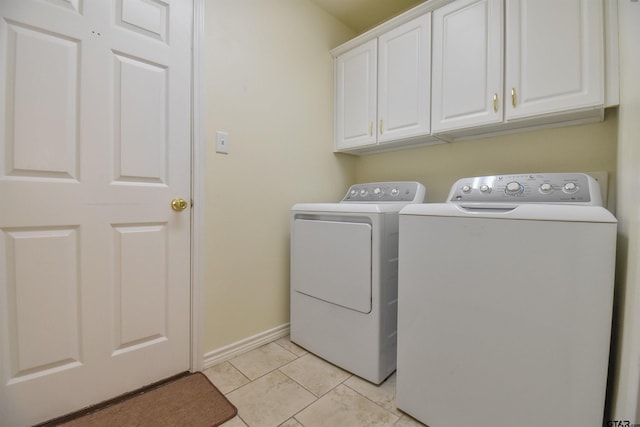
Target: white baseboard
{"x": 232, "y": 350}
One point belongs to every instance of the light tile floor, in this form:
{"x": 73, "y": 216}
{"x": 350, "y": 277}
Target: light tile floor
{"x": 281, "y": 384}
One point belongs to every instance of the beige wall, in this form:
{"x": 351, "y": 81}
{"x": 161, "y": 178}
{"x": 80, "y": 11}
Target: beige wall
{"x": 580, "y": 148}
{"x": 269, "y": 83}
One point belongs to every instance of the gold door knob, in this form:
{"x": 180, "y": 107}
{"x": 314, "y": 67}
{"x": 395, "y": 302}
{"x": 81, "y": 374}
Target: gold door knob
{"x": 178, "y": 204}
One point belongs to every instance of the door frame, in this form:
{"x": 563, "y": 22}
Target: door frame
{"x": 198, "y": 160}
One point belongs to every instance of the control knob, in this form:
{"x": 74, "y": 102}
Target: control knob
{"x": 395, "y": 192}
{"x": 485, "y": 189}
{"x": 466, "y": 189}
{"x": 546, "y": 188}
{"x": 514, "y": 188}
{"x": 363, "y": 192}
{"x": 570, "y": 187}
{"x": 377, "y": 191}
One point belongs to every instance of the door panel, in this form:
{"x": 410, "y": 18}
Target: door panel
{"x": 554, "y": 60}
{"x": 37, "y": 257}
{"x": 94, "y": 263}
{"x": 404, "y": 66}
{"x": 467, "y": 64}
{"x": 332, "y": 262}
{"x": 356, "y": 89}
{"x": 140, "y": 284}
{"x": 48, "y": 150}
{"x": 141, "y": 119}
{"x": 145, "y": 18}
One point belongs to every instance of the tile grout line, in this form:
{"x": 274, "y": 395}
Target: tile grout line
{"x": 317, "y": 398}
{"x": 266, "y": 373}
{"x": 332, "y": 388}
{"x": 373, "y": 401}
{"x": 241, "y": 373}
{"x": 297, "y": 357}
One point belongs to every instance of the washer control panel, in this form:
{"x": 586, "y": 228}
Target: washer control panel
{"x": 575, "y": 188}
{"x": 386, "y": 192}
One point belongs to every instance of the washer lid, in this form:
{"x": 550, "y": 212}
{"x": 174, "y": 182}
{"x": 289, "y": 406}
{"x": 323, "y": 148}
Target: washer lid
{"x": 532, "y": 211}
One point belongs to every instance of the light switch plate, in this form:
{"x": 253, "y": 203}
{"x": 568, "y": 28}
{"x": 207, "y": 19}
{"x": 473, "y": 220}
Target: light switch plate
{"x": 222, "y": 142}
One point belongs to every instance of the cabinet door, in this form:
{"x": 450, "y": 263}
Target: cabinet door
{"x": 356, "y": 80}
{"x": 467, "y": 76}
{"x": 404, "y": 64}
{"x": 554, "y": 56}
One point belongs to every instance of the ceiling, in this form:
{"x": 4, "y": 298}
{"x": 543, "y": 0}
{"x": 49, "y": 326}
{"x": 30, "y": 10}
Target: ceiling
{"x": 361, "y": 15}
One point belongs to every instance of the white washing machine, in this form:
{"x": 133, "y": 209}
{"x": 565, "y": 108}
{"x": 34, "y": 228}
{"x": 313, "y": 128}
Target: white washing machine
{"x": 344, "y": 277}
{"x": 505, "y": 303}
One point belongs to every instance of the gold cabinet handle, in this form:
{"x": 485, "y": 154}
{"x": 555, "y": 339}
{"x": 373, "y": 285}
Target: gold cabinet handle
{"x": 495, "y": 102}
{"x": 380, "y": 127}
{"x": 371, "y": 129}
{"x": 513, "y": 96}
{"x": 178, "y": 204}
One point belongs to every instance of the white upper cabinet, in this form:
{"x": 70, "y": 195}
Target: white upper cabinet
{"x": 404, "y": 65}
{"x": 382, "y": 90}
{"x": 451, "y": 69}
{"x": 553, "y": 60}
{"x": 467, "y": 64}
{"x": 355, "y": 97}
{"x": 555, "y": 56}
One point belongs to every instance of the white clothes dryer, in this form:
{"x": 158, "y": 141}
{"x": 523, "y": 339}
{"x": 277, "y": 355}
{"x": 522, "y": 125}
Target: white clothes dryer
{"x": 344, "y": 276}
{"x": 505, "y": 303}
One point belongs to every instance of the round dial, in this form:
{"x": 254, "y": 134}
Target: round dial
{"x": 485, "y": 189}
{"x": 546, "y": 188}
{"x": 377, "y": 191}
{"x": 466, "y": 189}
{"x": 363, "y": 192}
{"x": 395, "y": 192}
{"x": 570, "y": 187}
{"x": 353, "y": 192}
{"x": 513, "y": 188}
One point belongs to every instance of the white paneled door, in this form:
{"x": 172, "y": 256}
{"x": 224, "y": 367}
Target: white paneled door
{"x": 95, "y": 143}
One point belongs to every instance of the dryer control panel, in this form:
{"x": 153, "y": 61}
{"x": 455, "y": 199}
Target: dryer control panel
{"x": 386, "y": 192}
{"x": 575, "y": 188}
